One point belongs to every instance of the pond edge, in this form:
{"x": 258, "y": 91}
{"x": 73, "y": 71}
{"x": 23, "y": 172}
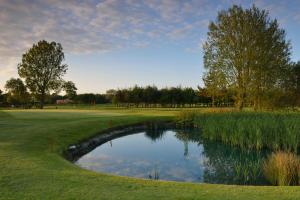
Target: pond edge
{"x": 75, "y": 151}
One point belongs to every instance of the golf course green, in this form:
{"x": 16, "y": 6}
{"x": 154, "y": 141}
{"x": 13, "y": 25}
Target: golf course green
{"x": 32, "y": 165}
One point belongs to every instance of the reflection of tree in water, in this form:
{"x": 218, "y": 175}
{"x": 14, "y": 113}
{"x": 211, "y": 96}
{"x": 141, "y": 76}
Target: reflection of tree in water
{"x": 154, "y": 134}
{"x": 232, "y": 165}
{"x": 184, "y": 136}
{"x": 225, "y": 164}
{"x": 154, "y": 175}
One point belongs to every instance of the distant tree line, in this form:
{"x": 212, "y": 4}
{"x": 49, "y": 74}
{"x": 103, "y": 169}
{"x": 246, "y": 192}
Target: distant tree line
{"x": 151, "y": 96}
{"x": 86, "y": 98}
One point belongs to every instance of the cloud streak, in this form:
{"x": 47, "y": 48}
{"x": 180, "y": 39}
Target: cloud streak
{"x": 107, "y": 25}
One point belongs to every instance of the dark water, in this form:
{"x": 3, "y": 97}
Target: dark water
{"x": 178, "y": 155}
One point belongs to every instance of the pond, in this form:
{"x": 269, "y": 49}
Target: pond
{"x": 177, "y": 155}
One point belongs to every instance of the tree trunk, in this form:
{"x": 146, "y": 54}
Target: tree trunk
{"x": 213, "y": 101}
{"x": 240, "y": 102}
{"x": 42, "y": 100}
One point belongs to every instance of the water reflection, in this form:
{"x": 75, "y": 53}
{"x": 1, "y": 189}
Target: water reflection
{"x": 180, "y": 155}
{"x": 154, "y": 134}
{"x": 224, "y": 164}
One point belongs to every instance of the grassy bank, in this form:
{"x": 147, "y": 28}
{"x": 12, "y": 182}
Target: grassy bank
{"x": 252, "y": 130}
{"x": 31, "y": 165}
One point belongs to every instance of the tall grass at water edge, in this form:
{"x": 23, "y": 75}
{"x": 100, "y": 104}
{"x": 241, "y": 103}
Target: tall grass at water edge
{"x": 282, "y": 168}
{"x": 251, "y": 130}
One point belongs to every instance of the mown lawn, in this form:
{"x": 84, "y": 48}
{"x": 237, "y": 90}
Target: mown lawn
{"x": 31, "y": 165}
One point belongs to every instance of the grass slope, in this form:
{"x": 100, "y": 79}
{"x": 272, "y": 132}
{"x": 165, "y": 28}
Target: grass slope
{"x": 31, "y": 165}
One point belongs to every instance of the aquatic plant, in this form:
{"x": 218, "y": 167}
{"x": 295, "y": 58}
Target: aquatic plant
{"x": 252, "y": 130}
{"x": 282, "y": 168}
{"x": 185, "y": 118}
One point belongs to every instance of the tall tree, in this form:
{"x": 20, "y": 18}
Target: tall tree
{"x": 17, "y": 91}
{"x": 70, "y": 89}
{"x": 215, "y": 83}
{"x": 42, "y": 68}
{"x": 1, "y": 96}
{"x": 250, "y": 49}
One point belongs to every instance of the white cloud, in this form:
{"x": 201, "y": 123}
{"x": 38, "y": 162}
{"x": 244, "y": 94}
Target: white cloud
{"x": 105, "y": 25}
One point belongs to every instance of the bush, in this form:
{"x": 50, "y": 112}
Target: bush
{"x": 282, "y": 168}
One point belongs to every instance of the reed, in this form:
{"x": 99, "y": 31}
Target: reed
{"x": 251, "y": 130}
{"x": 282, "y": 168}
{"x": 186, "y": 118}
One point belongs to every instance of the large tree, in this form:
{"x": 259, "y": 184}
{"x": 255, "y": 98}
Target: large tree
{"x": 215, "y": 83}
{"x": 16, "y": 91}
{"x": 42, "y": 68}
{"x": 70, "y": 89}
{"x": 1, "y": 96}
{"x": 250, "y": 49}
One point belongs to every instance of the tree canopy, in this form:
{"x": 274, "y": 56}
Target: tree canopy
{"x": 42, "y": 68}
{"x": 250, "y": 50}
{"x": 70, "y": 89}
{"x": 17, "y": 92}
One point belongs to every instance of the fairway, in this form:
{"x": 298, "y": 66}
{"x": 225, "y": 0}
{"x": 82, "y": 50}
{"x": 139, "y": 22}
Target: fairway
{"x": 32, "y": 165}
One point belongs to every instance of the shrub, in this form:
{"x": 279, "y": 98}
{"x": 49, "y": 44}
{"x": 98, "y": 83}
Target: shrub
{"x": 282, "y": 168}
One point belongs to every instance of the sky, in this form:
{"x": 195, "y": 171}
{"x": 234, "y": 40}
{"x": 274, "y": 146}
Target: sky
{"x": 120, "y": 43}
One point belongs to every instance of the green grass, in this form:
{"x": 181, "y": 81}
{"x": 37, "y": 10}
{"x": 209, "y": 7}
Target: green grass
{"x": 276, "y": 131}
{"x": 31, "y": 165}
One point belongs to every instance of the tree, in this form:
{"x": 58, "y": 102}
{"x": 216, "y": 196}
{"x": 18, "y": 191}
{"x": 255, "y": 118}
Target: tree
{"x": 70, "y": 89}
{"x": 290, "y": 90}
{"x": 189, "y": 96}
{"x": 42, "y": 68}
{"x": 17, "y": 91}
{"x": 1, "y": 96}
{"x": 250, "y": 50}
{"x": 215, "y": 83}
{"x": 150, "y": 95}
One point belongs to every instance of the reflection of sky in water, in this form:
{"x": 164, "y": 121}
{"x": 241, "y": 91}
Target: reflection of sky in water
{"x": 170, "y": 156}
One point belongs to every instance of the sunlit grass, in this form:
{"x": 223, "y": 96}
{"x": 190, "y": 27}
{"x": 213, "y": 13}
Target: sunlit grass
{"x": 32, "y": 166}
{"x": 282, "y": 168}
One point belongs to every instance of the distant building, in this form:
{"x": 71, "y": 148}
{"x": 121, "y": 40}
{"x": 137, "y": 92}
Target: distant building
{"x": 64, "y": 101}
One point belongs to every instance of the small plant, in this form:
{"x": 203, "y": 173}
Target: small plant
{"x": 282, "y": 168}
{"x": 186, "y": 118}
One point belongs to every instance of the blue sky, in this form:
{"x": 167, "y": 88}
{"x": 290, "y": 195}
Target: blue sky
{"x": 120, "y": 43}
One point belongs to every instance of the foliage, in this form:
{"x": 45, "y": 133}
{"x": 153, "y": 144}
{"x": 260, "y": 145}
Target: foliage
{"x": 1, "y": 96}
{"x": 70, "y": 89}
{"x": 165, "y": 97}
{"x": 250, "y": 50}
{"x": 282, "y": 168}
{"x": 42, "y": 68}
{"x": 254, "y": 130}
{"x": 89, "y": 98}
{"x": 17, "y": 92}
{"x": 186, "y": 118}
{"x": 215, "y": 83}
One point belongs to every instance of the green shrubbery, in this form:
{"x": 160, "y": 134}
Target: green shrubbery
{"x": 276, "y": 131}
